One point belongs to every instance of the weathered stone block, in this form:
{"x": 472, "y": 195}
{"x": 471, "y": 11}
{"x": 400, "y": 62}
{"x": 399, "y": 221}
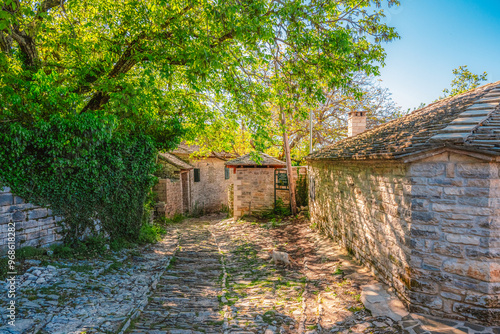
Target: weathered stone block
{"x": 483, "y": 300}
{"x": 427, "y": 170}
{"x": 477, "y": 253}
{"x": 463, "y": 239}
{"x": 425, "y": 231}
{"x": 431, "y": 301}
{"x": 474, "y": 201}
{"x": 452, "y": 296}
{"x": 38, "y": 213}
{"x": 475, "y": 170}
{"x": 6, "y": 199}
{"x": 468, "y": 268}
{"x": 448, "y": 250}
{"x": 5, "y": 218}
{"x": 486, "y": 316}
{"x": 426, "y": 191}
{"x": 18, "y": 216}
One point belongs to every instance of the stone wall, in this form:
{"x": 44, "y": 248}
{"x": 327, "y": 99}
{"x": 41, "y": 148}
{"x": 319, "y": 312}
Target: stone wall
{"x": 169, "y": 192}
{"x": 455, "y": 237}
{"x": 35, "y": 226}
{"x": 363, "y": 206}
{"x": 210, "y": 194}
{"x": 429, "y": 228}
{"x": 254, "y": 190}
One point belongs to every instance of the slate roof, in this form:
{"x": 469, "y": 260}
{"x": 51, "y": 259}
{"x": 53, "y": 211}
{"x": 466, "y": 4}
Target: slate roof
{"x": 173, "y": 160}
{"x": 186, "y": 150}
{"x": 469, "y": 121}
{"x": 246, "y": 160}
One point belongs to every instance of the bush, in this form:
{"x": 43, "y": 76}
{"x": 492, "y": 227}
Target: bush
{"x": 29, "y": 252}
{"x": 151, "y": 233}
{"x": 280, "y": 209}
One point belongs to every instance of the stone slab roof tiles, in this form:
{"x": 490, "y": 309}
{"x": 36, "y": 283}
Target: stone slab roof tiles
{"x": 469, "y": 121}
{"x": 173, "y": 160}
{"x": 246, "y": 161}
{"x": 187, "y": 150}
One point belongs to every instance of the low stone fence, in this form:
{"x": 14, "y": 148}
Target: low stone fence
{"x": 35, "y": 226}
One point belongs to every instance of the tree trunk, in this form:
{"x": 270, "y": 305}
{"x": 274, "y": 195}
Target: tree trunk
{"x": 291, "y": 182}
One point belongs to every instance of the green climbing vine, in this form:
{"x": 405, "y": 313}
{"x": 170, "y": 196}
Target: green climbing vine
{"x": 84, "y": 167}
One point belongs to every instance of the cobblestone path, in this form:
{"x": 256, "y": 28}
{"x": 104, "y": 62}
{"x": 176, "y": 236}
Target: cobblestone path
{"x": 221, "y": 281}
{"x": 186, "y": 298}
{"x": 315, "y": 296}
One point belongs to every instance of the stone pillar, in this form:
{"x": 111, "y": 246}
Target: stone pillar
{"x": 357, "y": 123}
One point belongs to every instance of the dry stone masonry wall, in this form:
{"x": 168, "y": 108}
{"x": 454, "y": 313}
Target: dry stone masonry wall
{"x": 35, "y": 226}
{"x": 210, "y": 194}
{"x": 253, "y": 190}
{"x": 169, "y": 193}
{"x": 455, "y": 238}
{"x": 365, "y": 208}
{"x": 430, "y": 228}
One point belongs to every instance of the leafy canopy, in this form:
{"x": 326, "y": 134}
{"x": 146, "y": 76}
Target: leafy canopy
{"x": 89, "y": 91}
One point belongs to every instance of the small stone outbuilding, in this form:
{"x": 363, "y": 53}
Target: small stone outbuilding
{"x": 174, "y": 187}
{"x": 417, "y": 199}
{"x": 258, "y": 184}
{"x": 253, "y": 184}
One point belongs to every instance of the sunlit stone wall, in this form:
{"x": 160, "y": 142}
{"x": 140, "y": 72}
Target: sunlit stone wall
{"x": 429, "y": 228}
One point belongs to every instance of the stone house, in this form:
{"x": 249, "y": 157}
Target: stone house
{"x": 257, "y": 185}
{"x": 417, "y": 200}
{"x": 207, "y": 180}
{"x": 173, "y": 189}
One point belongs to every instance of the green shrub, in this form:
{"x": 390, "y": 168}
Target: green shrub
{"x": 280, "y": 209}
{"x": 164, "y": 221}
{"x": 29, "y": 252}
{"x": 119, "y": 244}
{"x": 150, "y": 233}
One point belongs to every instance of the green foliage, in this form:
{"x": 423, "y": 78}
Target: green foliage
{"x": 338, "y": 271}
{"x": 91, "y": 247}
{"x": 164, "y": 221}
{"x": 90, "y": 91}
{"x": 83, "y": 169}
{"x": 150, "y": 233}
{"x": 280, "y": 209}
{"x": 119, "y": 244}
{"x": 29, "y": 252}
{"x": 464, "y": 81}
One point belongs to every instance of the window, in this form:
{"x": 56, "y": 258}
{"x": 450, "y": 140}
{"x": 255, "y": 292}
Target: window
{"x": 196, "y": 175}
{"x": 226, "y": 173}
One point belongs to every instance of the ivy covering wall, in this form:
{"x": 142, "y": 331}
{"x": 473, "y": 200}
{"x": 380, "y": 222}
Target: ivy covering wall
{"x": 83, "y": 168}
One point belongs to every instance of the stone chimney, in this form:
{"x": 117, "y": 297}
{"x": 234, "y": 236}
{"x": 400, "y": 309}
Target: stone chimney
{"x": 357, "y": 123}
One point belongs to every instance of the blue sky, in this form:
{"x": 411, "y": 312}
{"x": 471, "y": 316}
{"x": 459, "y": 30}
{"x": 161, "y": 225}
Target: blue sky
{"x": 436, "y": 37}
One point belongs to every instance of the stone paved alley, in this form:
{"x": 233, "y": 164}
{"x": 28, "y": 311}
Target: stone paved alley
{"x": 212, "y": 275}
{"x": 221, "y": 281}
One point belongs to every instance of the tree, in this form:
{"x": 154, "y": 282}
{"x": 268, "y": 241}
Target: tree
{"x": 330, "y": 117}
{"x": 82, "y": 84}
{"x": 464, "y": 81}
